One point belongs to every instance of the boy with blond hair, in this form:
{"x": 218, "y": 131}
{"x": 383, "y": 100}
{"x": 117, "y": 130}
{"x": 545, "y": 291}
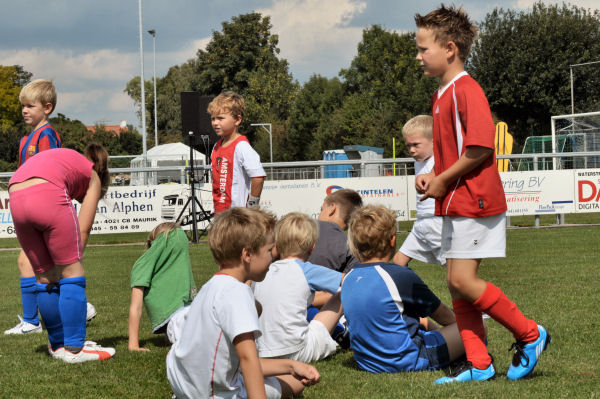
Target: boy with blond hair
{"x": 237, "y": 174}
{"x": 424, "y": 240}
{"x": 215, "y": 355}
{"x": 383, "y": 304}
{"x": 289, "y": 288}
{"x": 469, "y": 195}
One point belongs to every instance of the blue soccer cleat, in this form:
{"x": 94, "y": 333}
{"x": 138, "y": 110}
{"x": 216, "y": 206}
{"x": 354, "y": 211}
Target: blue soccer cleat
{"x": 527, "y": 354}
{"x": 466, "y": 373}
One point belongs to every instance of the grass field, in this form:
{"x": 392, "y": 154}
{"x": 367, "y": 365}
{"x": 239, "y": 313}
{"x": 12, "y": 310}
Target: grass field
{"x": 552, "y": 274}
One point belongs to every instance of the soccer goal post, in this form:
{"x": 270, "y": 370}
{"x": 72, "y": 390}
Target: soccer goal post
{"x": 576, "y": 133}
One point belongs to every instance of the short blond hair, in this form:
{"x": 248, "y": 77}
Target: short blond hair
{"x": 295, "y": 235}
{"x": 41, "y": 90}
{"x": 370, "y": 232}
{"x": 419, "y": 125}
{"x": 236, "y": 229}
{"x": 228, "y": 102}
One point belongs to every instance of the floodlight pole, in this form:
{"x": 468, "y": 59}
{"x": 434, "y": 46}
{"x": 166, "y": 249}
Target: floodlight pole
{"x": 571, "y": 76}
{"x": 270, "y": 131}
{"x": 143, "y": 97}
{"x": 153, "y": 33}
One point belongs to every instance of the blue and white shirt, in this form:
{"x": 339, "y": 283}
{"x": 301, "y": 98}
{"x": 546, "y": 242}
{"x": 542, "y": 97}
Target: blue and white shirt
{"x": 285, "y": 293}
{"x": 382, "y": 304}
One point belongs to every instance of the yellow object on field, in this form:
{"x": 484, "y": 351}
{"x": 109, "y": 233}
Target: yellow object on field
{"x": 504, "y": 144}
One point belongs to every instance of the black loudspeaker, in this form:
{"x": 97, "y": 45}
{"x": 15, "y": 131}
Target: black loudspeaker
{"x": 195, "y": 118}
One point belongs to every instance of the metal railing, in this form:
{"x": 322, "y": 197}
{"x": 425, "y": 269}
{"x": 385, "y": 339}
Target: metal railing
{"x": 360, "y": 168}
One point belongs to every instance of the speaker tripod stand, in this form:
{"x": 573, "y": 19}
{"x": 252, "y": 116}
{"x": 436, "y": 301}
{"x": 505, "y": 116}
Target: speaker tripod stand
{"x": 192, "y": 202}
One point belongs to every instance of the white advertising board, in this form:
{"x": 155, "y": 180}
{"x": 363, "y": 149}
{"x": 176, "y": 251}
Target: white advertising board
{"x": 539, "y": 192}
{"x": 306, "y": 196}
{"x": 587, "y": 188}
{"x": 127, "y": 209}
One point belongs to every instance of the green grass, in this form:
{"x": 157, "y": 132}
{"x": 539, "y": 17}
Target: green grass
{"x": 552, "y": 274}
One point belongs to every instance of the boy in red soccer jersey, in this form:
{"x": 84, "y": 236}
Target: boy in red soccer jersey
{"x": 237, "y": 173}
{"x": 470, "y": 197}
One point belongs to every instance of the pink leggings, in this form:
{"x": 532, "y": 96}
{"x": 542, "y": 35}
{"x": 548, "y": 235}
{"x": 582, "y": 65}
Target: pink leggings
{"x": 46, "y": 225}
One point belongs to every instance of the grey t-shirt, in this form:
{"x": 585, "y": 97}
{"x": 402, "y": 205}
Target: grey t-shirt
{"x": 331, "y": 249}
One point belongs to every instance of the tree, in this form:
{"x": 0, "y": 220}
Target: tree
{"x": 384, "y": 88}
{"x": 243, "y": 57}
{"x": 313, "y": 107}
{"x": 72, "y": 132}
{"x": 12, "y": 80}
{"x": 386, "y": 68}
{"x": 522, "y": 59}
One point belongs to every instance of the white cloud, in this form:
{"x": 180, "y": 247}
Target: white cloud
{"x": 316, "y": 33}
{"x": 64, "y": 65}
{"x": 187, "y": 52}
{"x": 119, "y": 101}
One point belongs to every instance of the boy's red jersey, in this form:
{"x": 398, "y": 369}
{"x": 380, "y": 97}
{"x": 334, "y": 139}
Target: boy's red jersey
{"x": 462, "y": 118}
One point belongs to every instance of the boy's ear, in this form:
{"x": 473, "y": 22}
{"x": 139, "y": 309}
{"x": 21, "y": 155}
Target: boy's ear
{"x": 275, "y": 253}
{"x": 393, "y": 242}
{"x": 451, "y": 49}
{"x": 312, "y": 249}
{"x": 332, "y": 209}
{"x": 48, "y": 109}
{"x": 238, "y": 120}
{"x": 245, "y": 255}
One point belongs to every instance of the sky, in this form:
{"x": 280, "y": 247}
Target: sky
{"x": 91, "y": 49}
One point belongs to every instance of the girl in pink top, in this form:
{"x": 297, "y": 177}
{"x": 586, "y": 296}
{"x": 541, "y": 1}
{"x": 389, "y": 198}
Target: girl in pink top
{"x": 53, "y": 237}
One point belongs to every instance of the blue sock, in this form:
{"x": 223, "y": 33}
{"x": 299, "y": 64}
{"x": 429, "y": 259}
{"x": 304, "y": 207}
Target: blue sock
{"x": 47, "y": 301}
{"x": 311, "y": 312}
{"x": 72, "y": 305}
{"x": 29, "y": 300}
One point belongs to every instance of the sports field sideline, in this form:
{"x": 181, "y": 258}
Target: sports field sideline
{"x": 554, "y": 275}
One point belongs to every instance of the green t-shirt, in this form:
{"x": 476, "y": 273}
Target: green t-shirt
{"x": 165, "y": 272}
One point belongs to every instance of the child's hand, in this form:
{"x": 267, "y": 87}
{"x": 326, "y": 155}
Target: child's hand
{"x": 138, "y": 349}
{"x": 305, "y": 373}
{"x": 422, "y": 181}
{"x": 436, "y": 188}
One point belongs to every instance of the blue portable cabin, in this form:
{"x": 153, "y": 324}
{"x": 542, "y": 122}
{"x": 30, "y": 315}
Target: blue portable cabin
{"x": 336, "y": 171}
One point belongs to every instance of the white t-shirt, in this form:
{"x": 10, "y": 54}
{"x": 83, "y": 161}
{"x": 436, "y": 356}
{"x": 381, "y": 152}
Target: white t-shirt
{"x": 234, "y": 167}
{"x": 285, "y": 293}
{"x": 246, "y": 166}
{"x": 203, "y": 363}
{"x": 425, "y": 208}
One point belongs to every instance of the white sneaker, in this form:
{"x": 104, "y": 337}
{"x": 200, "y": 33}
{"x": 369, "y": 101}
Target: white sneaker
{"x": 58, "y": 353}
{"x": 24, "y": 328}
{"x": 91, "y": 312}
{"x": 90, "y": 351}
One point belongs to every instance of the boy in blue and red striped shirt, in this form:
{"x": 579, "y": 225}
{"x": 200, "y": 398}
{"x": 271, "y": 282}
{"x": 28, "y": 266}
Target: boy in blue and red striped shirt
{"x": 38, "y": 100}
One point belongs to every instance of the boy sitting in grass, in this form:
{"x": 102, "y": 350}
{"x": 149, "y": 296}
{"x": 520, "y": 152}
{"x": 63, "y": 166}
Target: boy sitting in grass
{"x": 216, "y": 355}
{"x": 383, "y": 303}
{"x": 289, "y": 288}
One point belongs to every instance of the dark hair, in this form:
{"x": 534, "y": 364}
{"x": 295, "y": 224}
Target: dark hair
{"x": 98, "y": 155}
{"x": 450, "y": 24}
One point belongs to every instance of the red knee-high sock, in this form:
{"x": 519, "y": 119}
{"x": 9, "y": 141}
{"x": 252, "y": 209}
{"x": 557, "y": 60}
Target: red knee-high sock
{"x": 504, "y": 311}
{"x": 472, "y": 332}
